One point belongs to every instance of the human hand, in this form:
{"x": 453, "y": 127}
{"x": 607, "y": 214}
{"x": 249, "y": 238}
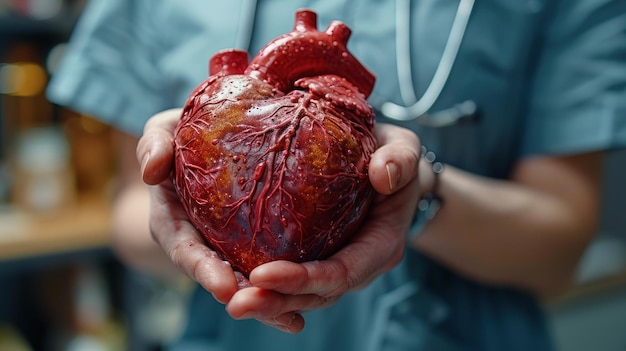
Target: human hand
{"x": 169, "y": 224}
{"x": 278, "y": 291}
{"x": 281, "y": 290}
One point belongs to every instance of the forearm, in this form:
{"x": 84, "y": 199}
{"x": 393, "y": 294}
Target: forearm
{"x": 526, "y": 233}
{"x": 131, "y": 235}
{"x": 132, "y": 241}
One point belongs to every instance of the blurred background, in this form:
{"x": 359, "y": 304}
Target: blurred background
{"x": 60, "y": 286}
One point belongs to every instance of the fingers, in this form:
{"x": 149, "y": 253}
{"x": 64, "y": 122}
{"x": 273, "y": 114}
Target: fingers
{"x": 202, "y": 264}
{"x": 273, "y": 308}
{"x": 170, "y": 227}
{"x": 380, "y": 243}
{"x": 344, "y": 271}
{"x": 155, "y": 150}
{"x": 277, "y": 291}
{"x": 324, "y": 279}
{"x": 282, "y": 287}
{"x": 395, "y": 162}
{"x": 289, "y": 322}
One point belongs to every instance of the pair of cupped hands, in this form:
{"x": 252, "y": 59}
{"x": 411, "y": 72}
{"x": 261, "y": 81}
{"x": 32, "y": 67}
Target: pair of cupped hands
{"x": 277, "y": 293}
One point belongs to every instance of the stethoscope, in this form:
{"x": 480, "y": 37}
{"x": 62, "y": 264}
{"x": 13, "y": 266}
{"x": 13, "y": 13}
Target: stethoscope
{"x": 419, "y": 109}
{"x": 412, "y": 108}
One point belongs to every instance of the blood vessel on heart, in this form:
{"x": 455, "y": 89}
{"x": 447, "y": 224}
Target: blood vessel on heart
{"x": 272, "y": 155}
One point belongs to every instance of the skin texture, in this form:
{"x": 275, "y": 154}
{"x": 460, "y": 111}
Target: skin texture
{"x": 184, "y": 247}
{"x": 533, "y": 236}
{"x": 527, "y": 232}
{"x": 548, "y": 214}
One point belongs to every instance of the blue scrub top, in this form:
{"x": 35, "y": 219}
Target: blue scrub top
{"x": 549, "y": 77}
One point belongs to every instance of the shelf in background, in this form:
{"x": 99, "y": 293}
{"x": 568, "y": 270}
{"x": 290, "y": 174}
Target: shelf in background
{"x": 83, "y": 226}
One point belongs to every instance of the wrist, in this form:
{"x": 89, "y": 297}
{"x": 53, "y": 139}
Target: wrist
{"x": 430, "y": 200}
{"x": 429, "y": 172}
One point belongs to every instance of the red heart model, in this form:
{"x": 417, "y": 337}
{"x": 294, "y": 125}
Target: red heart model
{"x": 271, "y": 156}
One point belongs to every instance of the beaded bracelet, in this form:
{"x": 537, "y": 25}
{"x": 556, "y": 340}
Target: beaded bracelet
{"x": 429, "y": 204}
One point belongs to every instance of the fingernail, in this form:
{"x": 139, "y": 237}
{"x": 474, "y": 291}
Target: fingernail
{"x": 392, "y": 175}
{"x": 287, "y": 326}
{"x": 144, "y": 161}
{"x": 248, "y": 315}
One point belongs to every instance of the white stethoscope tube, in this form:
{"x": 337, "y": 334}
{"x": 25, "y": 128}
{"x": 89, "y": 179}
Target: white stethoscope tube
{"x": 246, "y": 25}
{"x": 416, "y": 108}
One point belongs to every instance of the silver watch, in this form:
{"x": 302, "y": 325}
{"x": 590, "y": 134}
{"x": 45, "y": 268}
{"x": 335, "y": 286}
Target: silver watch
{"x": 429, "y": 204}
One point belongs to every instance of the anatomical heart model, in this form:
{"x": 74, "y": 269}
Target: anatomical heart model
{"x": 272, "y": 155}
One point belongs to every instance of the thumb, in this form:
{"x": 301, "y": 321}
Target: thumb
{"x": 395, "y": 163}
{"x": 155, "y": 150}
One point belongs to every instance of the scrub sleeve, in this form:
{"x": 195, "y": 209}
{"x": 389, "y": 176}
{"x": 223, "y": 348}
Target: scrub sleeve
{"x": 579, "y": 93}
{"x": 126, "y": 61}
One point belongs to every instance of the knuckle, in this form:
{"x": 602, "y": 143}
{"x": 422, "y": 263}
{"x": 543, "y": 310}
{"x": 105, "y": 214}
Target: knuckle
{"x": 180, "y": 254}
{"x": 175, "y": 253}
{"x": 353, "y": 280}
{"x": 343, "y": 280}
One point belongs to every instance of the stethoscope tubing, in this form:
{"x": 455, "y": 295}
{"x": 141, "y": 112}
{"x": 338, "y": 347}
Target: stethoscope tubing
{"x": 415, "y": 108}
